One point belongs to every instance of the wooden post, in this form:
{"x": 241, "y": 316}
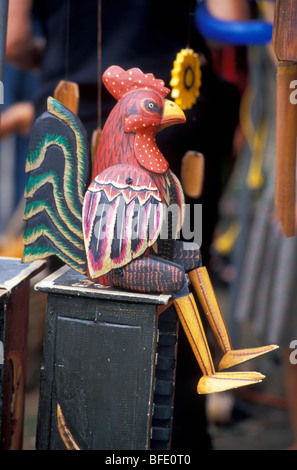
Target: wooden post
{"x": 14, "y": 309}
{"x": 109, "y": 367}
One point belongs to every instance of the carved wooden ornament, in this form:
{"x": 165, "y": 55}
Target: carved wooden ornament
{"x": 112, "y": 227}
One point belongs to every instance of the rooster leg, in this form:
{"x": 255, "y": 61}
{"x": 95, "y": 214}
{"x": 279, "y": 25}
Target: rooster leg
{"x": 211, "y": 381}
{"x": 150, "y": 274}
{"x": 203, "y": 287}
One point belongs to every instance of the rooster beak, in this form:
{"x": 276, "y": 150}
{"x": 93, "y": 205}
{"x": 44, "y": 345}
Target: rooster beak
{"x": 172, "y": 114}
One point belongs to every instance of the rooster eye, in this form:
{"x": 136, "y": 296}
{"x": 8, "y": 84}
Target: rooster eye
{"x": 152, "y": 106}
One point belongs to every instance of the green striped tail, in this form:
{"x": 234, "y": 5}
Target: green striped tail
{"x": 58, "y": 166}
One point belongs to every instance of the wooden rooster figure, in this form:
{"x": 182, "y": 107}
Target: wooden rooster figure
{"x": 113, "y": 230}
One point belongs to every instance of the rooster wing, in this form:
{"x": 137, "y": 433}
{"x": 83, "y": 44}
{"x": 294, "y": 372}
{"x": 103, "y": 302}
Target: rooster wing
{"x": 122, "y": 217}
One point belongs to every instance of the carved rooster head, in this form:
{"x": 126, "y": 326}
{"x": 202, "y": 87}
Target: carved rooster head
{"x": 142, "y": 110}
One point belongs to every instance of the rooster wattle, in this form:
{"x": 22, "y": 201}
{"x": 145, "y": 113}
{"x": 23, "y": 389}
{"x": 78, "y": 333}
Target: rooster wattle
{"x": 113, "y": 228}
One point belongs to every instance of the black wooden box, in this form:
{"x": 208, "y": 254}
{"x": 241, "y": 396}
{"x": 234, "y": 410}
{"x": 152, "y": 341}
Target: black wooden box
{"x": 108, "y": 373}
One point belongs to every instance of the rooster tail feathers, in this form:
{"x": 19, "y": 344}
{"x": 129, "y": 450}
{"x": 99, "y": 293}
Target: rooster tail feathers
{"x": 58, "y": 167}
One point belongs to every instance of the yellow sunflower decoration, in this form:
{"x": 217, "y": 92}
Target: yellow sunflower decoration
{"x": 185, "y": 78}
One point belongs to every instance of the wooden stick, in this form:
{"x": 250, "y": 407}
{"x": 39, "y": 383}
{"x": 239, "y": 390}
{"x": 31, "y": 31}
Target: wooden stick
{"x": 192, "y": 173}
{"x": 286, "y": 135}
{"x": 284, "y": 41}
{"x": 68, "y": 94}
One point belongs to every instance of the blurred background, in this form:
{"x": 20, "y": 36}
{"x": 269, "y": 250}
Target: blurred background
{"x": 251, "y": 263}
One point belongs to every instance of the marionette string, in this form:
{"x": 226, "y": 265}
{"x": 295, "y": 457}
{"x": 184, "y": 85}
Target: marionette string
{"x": 67, "y": 39}
{"x": 99, "y": 46}
{"x": 190, "y": 15}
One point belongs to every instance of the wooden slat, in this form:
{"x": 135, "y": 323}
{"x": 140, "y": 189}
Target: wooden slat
{"x": 285, "y": 47}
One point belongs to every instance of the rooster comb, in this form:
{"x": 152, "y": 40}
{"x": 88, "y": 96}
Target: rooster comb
{"x": 119, "y": 82}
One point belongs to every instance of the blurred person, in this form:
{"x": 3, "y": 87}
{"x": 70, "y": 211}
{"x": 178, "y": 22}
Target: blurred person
{"x": 17, "y": 117}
